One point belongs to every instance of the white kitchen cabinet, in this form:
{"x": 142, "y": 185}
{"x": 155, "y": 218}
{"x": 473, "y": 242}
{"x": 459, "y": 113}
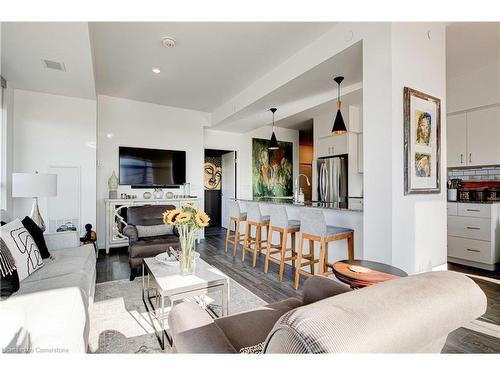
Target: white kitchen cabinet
{"x": 355, "y": 203}
{"x": 483, "y": 137}
{"x": 355, "y": 124}
{"x": 354, "y": 178}
{"x": 456, "y": 137}
{"x": 332, "y": 145}
{"x": 360, "y": 153}
{"x": 452, "y": 209}
{"x": 473, "y": 237}
{"x": 473, "y": 138}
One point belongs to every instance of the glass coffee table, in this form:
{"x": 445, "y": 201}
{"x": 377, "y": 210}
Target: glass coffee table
{"x": 169, "y": 287}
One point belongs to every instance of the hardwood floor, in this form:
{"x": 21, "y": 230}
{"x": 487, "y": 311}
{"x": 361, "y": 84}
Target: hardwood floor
{"x": 114, "y": 266}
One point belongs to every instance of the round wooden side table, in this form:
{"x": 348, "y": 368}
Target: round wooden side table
{"x": 361, "y": 273}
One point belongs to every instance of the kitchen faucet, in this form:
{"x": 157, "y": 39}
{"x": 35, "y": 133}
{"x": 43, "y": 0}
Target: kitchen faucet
{"x": 296, "y": 191}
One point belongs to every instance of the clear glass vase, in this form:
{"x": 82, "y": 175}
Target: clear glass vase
{"x": 187, "y": 258}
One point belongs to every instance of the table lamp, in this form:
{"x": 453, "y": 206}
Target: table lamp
{"x": 34, "y": 185}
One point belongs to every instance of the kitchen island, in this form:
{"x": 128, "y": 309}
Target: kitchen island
{"x": 334, "y": 214}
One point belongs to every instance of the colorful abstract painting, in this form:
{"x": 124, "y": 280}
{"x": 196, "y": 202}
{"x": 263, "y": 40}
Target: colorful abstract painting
{"x": 272, "y": 170}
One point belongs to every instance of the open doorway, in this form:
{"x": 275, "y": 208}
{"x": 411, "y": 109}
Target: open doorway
{"x": 219, "y": 185}
{"x": 306, "y": 156}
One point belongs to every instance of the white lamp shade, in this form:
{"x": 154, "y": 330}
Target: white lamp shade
{"x": 31, "y": 185}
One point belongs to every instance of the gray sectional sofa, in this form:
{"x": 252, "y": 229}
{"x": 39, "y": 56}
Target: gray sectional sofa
{"x": 413, "y": 314}
{"x": 51, "y": 311}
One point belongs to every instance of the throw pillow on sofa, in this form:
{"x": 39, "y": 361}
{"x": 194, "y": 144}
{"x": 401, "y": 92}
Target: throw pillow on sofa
{"x": 37, "y": 235}
{"x": 9, "y": 280}
{"x": 154, "y": 230}
{"x": 22, "y": 247}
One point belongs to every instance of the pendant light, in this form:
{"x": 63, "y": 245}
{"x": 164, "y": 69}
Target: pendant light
{"x": 273, "y": 143}
{"x": 338, "y": 125}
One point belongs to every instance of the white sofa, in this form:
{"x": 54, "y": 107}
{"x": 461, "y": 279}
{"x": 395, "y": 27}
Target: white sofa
{"x": 50, "y": 312}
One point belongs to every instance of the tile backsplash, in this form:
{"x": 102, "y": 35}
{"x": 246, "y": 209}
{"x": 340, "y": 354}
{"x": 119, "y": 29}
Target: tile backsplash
{"x": 478, "y": 173}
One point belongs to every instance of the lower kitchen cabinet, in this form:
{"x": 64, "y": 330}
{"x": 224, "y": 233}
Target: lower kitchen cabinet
{"x": 474, "y": 234}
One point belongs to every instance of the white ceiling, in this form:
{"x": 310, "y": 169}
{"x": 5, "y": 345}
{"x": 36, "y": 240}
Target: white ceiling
{"x": 303, "y": 120}
{"x": 211, "y": 63}
{"x": 471, "y": 45}
{"x": 309, "y": 90}
{"x": 25, "y": 44}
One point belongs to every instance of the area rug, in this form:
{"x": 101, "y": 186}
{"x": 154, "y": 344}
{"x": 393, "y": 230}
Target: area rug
{"x": 120, "y": 322}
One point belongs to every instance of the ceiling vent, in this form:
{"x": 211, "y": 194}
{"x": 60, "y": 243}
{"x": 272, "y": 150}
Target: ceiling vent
{"x": 54, "y": 65}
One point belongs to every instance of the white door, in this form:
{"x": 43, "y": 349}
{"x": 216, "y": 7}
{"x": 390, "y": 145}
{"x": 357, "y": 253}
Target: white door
{"x": 228, "y": 190}
{"x": 66, "y": 206}
{"x": 483, "y": 137}
{"x": 456, "y": 139}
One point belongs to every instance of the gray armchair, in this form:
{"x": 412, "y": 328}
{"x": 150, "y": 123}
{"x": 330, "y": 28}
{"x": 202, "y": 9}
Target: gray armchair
{"x": 412, "y": 314}
{"x": 194, "y": 331}
{"x": 146, "y": 246}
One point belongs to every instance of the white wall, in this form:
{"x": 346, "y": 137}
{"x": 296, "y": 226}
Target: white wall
{"x": 473, "y": 65}
{"x": 53, "y": 130}
{"x": 3, "y": 133}
{"x": 419, "y": 221}
{"x": 7, "y": 151}
{"x": 123, "y": 122}
{"x": 242, "y": 144}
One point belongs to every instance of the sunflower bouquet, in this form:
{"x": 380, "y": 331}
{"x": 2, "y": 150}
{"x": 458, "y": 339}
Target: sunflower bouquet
{"x": 188, "y": 220}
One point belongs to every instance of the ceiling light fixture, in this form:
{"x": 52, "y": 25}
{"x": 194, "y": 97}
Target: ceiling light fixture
{"x": 273, "y": 143}
{"x": 156, "y": 70}
{"x": 168, "y": 42}
{"x": 339, "y": 125}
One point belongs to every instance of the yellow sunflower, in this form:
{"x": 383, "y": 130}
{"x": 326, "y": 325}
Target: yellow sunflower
{"x": 201, "y": 219}
{"x": 170, "y": 217}
{"x": 182, "y": 218}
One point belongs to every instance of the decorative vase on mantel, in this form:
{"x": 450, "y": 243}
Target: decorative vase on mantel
{"x": 113, "y": 186}
{"x": 188, "y": 220}
{"x": 158, "y": 193}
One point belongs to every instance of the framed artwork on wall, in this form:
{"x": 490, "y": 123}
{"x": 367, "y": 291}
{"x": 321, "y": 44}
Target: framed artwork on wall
{"x": 213, "y": 173}
{"x": 272, "y": 170}
{"x": 422, "y": 143}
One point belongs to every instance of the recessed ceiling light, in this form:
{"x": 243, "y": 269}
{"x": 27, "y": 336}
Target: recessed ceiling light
{"x": 156, "y": 70}
{"x": 168, "y": 41}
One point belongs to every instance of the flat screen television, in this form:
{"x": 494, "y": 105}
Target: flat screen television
{"x": 146, "y": 167}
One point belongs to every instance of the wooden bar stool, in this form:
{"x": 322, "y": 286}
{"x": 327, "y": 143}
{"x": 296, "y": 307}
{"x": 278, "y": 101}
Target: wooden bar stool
{"x": 256, "y": 220}
{"x": 313, "y": 228}
{"x": 280, "y": 223}
{"x": 237, "y": 216}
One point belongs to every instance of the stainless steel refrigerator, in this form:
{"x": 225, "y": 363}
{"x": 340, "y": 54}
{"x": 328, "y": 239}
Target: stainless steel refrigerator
{"x": 332, "y": 179}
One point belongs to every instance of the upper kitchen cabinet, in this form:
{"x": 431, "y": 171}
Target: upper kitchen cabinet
{"x": 473, "y": 138}
{"x": 483, "y": 137}
{"x": 332, "y": 145}
{"x": 329, "y": 145}
{"x": 456, "y": 140}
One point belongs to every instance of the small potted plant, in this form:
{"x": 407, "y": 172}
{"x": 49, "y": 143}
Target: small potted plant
{"x": 188, "y": 220}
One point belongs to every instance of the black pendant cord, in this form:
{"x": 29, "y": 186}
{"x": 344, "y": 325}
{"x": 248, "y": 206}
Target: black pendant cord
{"x": 338, "y": 92}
